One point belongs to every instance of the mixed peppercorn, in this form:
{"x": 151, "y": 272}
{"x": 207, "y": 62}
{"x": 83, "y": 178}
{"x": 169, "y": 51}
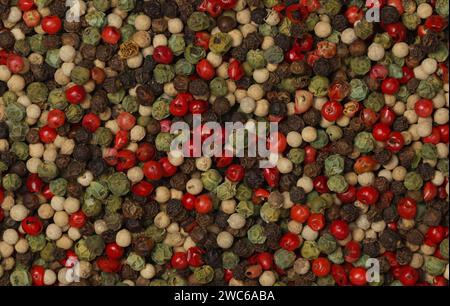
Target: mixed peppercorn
{"x": 88, "y": 94}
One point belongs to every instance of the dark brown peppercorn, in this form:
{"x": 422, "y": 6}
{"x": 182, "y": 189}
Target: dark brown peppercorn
{"x": 221, "y": 106}
{"x": 131, "y": 210}
{"x": 390, "y": 214}
{"x": 389, "y": 14}
{"x": 382, "y": 156}
{"x": 243, "y": 248}
{"x": 339, "y": 23}
{"x": 398, "y": 187}
{"x": 287, "y": 181}
{"x": 371, "y": 247}
{"x": 258, "y": 15}
{"x": 381, "y": 184}
{"x": 404, "y": 256}
{"x": 415, "y": 237}
{"x": 283, "y": 41}
{"x": 198, "y": 87}
{"x": 143, "y": 245}
{"x": 312, "y": 117}
{"x": 144, "y": 95}
{"x": 400, "y": 124}
{"x": 358, "y": 48}
{"x": 74, "y": 190}
{"x": 430, "y": 41}
{"x": 181, "y": 83}
{"x": 312, "y": 170}
{"x": 389, "y": 239}
{"x": 412, "y": 85}
{"x": 349, "y": 212}
{"x": 153, "y": 127}
{"x": 432, "y": 217}
{"x": 7, "y": 40}
{"x": 30, "y": 201}
{"x": 406, "y": 156}
{"x": 253, "y": 178}
{"x": 226, "y": 23}
{"x": 239, "y": 53}
{"x": 322, "y": 67}
{"x": 188, "y": 166}
{"x": 426, "y": 171}
{"x": 252, "y": 41}
{"x": 297, "y": 195}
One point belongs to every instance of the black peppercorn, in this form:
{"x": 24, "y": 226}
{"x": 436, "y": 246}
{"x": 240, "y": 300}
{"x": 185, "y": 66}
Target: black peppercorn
{"x": 389, "y": 14}
{"x": 226, "y": 23}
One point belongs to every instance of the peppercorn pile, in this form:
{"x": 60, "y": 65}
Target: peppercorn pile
{"x": 91, "y": 193}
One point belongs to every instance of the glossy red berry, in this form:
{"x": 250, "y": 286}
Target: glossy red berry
{"x": 126, "y": 121}
{"x": 235, "y": 173}
{"x": 77, "y": 219}
{"x": 75, "y": 94}
{"x": 265, "y": 260}
{"x": 179, "y": 261}
{"x": 407, "y": 208}
{"x": 381, "y": 132}
{"x": 153, "y": 170}
{"x": 408, "y": 276}
{"x": 205, "y": 69}
{"x": 91, "y": 122}
{"x": 47, "y": 134}
{"x": 316, "y": 221}
{"x": 142, "y": 188}
{"x": 114, "y": 251}
{"x": 321, "y": 267}
{"x": 290, "y": 241}
{"x": 395, "y": 142}
{"x": 56, "y": 118}
{"x": 203, "y": 204}
{"x": 332, "y": 110}
{"x": 111, "y": 35}
{"x": 367, "y": 195}
{"x": 15, "y": 63}
{"x": 357, "y": 276}
{"x": 51, "y": 24}
{"x": 32, "y": 225}
{"x": 299, "y": 213}
{"x": 390, "y": 86}
{"x": 163, "y": 55}
{"x": 423, "y": 108}
{"x": 37, "y": 275}
{"x": 339, "y": 229}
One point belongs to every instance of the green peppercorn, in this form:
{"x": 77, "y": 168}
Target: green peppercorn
{"x": 204, "y": 274}
{"x": 360, "y": 65}
{"x": 274, "y": 55}
{"x": 296, "y": 155}
{"x": 59, "y": 186}
{"x": 118, "y": 184}
{"x": 284, "y": 258}
{"x": 57, "y": 99}
{"x": 211, "y": 179}
{"x": 74, "y": 113}
{"x": 103, "y": 136}
{"x": 163, "y": 141}
{"x": 47, "y": 171}
{"x": 37, "y": 92}
{"x": 364, "y": 142}
{"x": 177, "y": 44}
{"x": 20, "y": 277}
{"x": 359, "y": 90}
{"x": 20, "y": 149}
{"x": 256, "y": 234}
{"x": 91, "y": 207}
{"x": 319, "y": 86}
{"x": 256, "y": 59}
{"x": 434, "y": 266}
{"x": 11, "y": 182}
{"x": 91, "y": 36}
{"x": 95, "y": 18}
{"x": 268, "y": 213}
{"x": 36, "y": 243}
{"x": 183, "y": 66}
{"x": 161, "y": 253}
{"x": 130, "y": 104}
{"x": 429, "y": 151}
{"x": 327, "y": 244}
{"x": 243, "y": 192}
{"x": 363, "y": 29}
{"x": 321, "y": 141}
{"x": 226, "y": 190}
{"x": 136, "y": 262}
{"x": 15, "y": 112}
{"x": 52, "y": 58}
{"x": 413, "y": 181}
{"x": 198, "y": 21}
{"x": 337, "y": 183}
{"x": 97, "y": 190}
{"x": 194, "y": 54}
{"x": 218, "y": 87}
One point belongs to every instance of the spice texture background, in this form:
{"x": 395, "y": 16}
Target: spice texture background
{"x": 91, "y": 193}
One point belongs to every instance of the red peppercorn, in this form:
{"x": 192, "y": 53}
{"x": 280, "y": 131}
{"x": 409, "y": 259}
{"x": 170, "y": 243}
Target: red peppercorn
{"x": 126, "y": 121}
{"x": 179, "y": 261}
{"x": 310, "y": 154}
{"x": 321, "y": 267}
{"x": 353, "y": 14}
{"x": 357, "y": 276}
{"x": 125, "y": 160}
{"x": 145, "y": 152}
{"x": 352, "y": 251}
{"x": 277, "y": 142}
{"x": 397, "y": 31}
{"x": 290, "y": 241}
{"x": 381, "y": 132}
{"x": 407, "y": 208}
{"x": 365, "y": 164}
{"x": 339, "y": 229}
{"x": 56, "y": 118}
{"x": 91, "y": 122}
{"x": 235, "y": 70}
{"x": 387, "y": 115}
{"x": 194, "y": 256}
{"x": 339, "y": 275}
{"x": 163, "y": 55}
{"x": 2, "y": 213}
{"x": 320, "y": 184}
{"x": 142, "y": 189}
{"x": 348, "y": 196}
{"x": 369, "y": 117}
{"x": 108, "y": 265}
{"x": 51, "y": 24}
{"x": 436, "y": 23}
{"x": 111, "y": 35}
{"x": 423, "y": 108}
{"x": 203, "y": 204}
{"x": 75, "y": 94}
{"x": 430, "y": 191}
{"x": 168, "y": 169}
{"x": 332, "y": 110}
{"x": 299, "y": 213}
{"x": 395, "y": 142}
{"x": 235, "y": 173}
{"x": 408, "y": 74}
{"x": 444, "y": 132}
{"x": 378, "y": 72}
{"x": 77, "y": 219}
{"x": 367, "y": 195}
{"x": 15, "y": 63}
{"x": 47, "y": 134}
{"x": 37, "y": 275}
{"x": 316, "y": 221}
{"x": 25, "y": 5}
{"x": 114, "y": 251}
{"x": 227, "y": 4}
{"x": 272, "y": 176}
{"x": 435, "y": 234}
{"x": 153, "y": 170}
{"x": 408, "y": 276}
{"x": 198, "y": 106}
{"x": 34, "y": 184}
{"x": 47, "y": 193}
{"x": 32, "y": 225}
{"x": 188, "y": 201}
{"x": 205, "y": 69}
{"x": 179, "y": 106}
{"x": 265, "y": 260}
{"x": 202, "y": 39}
{"x": 121, "y": 139}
